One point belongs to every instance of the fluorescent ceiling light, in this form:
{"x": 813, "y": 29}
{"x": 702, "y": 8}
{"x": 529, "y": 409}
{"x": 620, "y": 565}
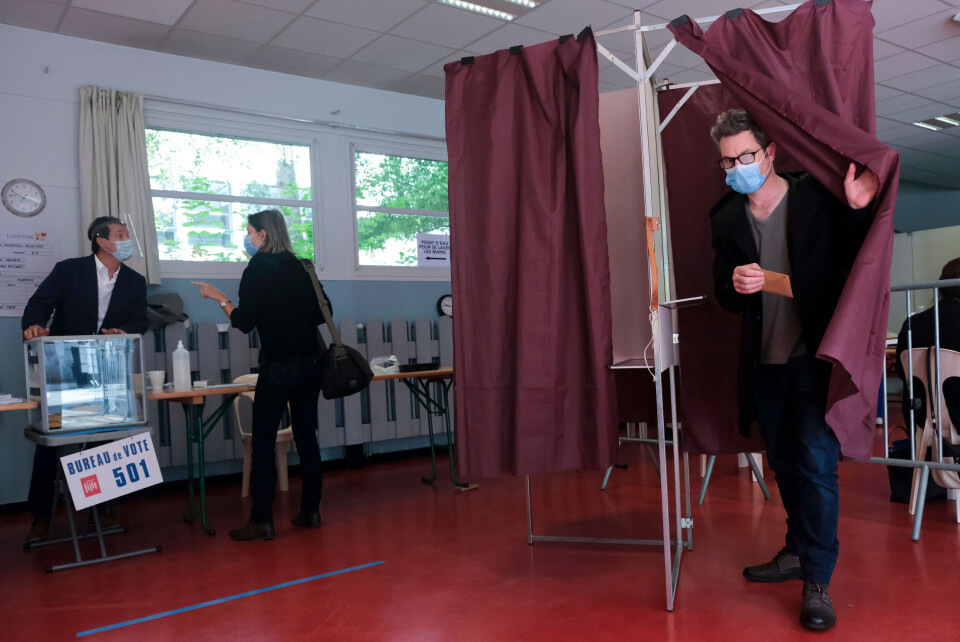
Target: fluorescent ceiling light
{"x": 477, "y": 8}
{"x": 532, "y": 5}
{"x": 948, "y": 121}
{"x": 926, "y": 126}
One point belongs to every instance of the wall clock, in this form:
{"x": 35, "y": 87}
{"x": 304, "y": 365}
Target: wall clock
{"x": 23, "y": 197}
{"x": 445, "y": 305}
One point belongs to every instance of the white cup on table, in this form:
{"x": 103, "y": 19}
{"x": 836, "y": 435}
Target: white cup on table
{"x": 156, "y": 379}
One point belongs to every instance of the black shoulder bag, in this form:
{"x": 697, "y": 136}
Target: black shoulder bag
{"x": 343, "y": 369}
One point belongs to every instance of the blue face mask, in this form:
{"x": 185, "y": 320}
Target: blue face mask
{"x": 249, "y": 246}
{"x": 124, "y": 250}
{"x": 746, "y": 179}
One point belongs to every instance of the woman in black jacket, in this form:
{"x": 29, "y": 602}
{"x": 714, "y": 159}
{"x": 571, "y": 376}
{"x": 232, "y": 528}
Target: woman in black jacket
{"x": 278, "y": 299}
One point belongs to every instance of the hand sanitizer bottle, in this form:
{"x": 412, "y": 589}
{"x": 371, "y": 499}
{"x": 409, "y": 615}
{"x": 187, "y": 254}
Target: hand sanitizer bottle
{"x": 181, "y": 368}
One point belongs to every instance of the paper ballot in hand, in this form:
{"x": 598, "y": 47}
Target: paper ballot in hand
{"x": 776, "y": 283}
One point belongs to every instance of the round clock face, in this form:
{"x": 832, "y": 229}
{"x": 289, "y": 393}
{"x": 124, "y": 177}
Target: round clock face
{"x": 445, "y": 305}
{"x": 23, "y": 197}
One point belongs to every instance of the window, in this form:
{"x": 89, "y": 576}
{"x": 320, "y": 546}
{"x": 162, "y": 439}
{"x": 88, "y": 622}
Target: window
{"x": 204, "y": 187}
{"x": 397, "y": 198}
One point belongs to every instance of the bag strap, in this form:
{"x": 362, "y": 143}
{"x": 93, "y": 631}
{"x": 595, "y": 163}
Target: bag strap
{"x": 324, "y": 305}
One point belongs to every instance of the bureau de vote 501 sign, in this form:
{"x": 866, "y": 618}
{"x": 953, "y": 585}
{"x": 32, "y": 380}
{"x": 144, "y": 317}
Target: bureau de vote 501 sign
{"x": 112, "y": 470}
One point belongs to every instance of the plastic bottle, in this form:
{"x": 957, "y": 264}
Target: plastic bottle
{"x": 181, "y": 368}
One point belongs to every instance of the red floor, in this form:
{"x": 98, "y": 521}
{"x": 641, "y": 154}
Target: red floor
{"x": 458, "y": 567}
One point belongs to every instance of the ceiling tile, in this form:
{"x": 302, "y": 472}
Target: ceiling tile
{"x": 571, "y": 16}
{"x": 883, "y": 49}
{"x": 421, "y": 85}
{"x": 293, "y": 6}
{"x": 233, "y": 19}
{"x": 946, "y": 50}
{"x": 924, "y": 31}
{"x": 944, "y": 92}
{"x": 32, "y": 14}
{"x": 326, "y": 38}
{"x": 507, "y": 36}
{"x": 166, "y": 12}
{"x": 446, "y": 26}
{"x": 892, "y": 13}
{"x": 690, "y": 75}
{"x": 291, "y": 61}
{"x": 884, "y": 124}
{"x": 882, "y": 92}
{"x": 613, "y": 76}
{"x": 899, "y": 132}
{"x": 929, "y": 77}
{"x": 114, "y": 29}
{"x": 184, "y": 42}
{"x": 436, "y": 69}
{"x": 900, "y": 103}
{"x": 943, "y": 146}
{"x": 922, "y": 112}
{"x": 900, "y": 64}
{"x": 357, "y": 73}
{"x": 372, "y": 14}
{"x": 401, "y": 53}
{"x": 929, "y": 177}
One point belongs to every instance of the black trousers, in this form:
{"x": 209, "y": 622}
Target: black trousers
{"x": 279, "y": 384}
{"x": 40, "y": 497}
{"x": 803, "y": 452}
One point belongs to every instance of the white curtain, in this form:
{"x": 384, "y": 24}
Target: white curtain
{"x": 114, "y": 179}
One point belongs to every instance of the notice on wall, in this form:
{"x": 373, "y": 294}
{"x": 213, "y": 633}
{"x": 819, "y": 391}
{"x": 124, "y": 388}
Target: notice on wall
{"x": 433, "y": 250}
{"x": 119, "y": 468}
{"x": 28, "y": 253}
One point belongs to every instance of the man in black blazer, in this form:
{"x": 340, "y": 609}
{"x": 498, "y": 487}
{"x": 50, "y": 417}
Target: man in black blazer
{"x": 790, "y": 225}
{"x": 95, "y": 294}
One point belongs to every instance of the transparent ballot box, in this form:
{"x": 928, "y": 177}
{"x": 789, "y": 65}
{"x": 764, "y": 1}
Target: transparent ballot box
{"x": 85, "y": 382}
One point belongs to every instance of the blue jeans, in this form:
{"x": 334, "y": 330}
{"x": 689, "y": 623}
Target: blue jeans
{"x": 803, "y": 452}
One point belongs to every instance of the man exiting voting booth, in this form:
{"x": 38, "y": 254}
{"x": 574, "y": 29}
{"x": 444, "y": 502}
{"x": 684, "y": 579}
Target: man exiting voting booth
{"x": 94, "y": 294}
{"x": 782, "y": 248}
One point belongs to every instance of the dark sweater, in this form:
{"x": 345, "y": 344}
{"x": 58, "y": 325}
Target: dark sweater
{"x": 923, "y": 336}
{"x": 278, "y": 299}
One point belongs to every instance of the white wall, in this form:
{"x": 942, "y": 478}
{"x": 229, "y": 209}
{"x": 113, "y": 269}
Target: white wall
{"x": 918, "y": 257}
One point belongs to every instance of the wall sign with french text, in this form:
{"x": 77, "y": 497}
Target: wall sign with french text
{"x": 112, "y": 470}
{"x": 433, "y": 250}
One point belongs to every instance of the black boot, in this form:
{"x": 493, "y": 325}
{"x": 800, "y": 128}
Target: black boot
{"x": 253, "y": 531}
{"x": 307, "y": 520}
{"x": 782, "y": 567}
{"x": 817, "y": 611}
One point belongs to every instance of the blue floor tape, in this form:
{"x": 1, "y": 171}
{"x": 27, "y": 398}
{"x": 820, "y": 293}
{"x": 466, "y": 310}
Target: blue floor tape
{"x": 157, "y": 616}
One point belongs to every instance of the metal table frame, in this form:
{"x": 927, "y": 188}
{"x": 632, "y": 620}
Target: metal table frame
{"x": 82, "y": 438}
{"x": 198, "y": 429}
{"x": 419, "y": 384}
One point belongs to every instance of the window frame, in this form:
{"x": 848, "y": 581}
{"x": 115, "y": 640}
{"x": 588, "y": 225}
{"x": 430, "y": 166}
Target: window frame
{"x": 405, "y": 150}
{"x": 247, "y": 128}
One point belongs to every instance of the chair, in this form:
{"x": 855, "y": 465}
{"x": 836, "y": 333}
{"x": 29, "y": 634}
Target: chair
{"x": 284, "y": 437}
{"x": 926, "y": 435}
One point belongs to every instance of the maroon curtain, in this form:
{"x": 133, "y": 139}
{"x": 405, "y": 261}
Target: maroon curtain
{"x": 710, "y": 336}
{"x": 532, "y": 331}
{"x": 808, "y": 81}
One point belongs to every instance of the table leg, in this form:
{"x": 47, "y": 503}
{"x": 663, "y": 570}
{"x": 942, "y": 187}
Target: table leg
{"x": 203, "y": 478}
{"x": 451, "y": 446}
{"x": 188, "y": 414}
{"x": 433, "y": 448}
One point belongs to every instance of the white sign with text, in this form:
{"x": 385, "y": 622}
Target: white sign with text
{"x": 28, "y": 253}
{"x": 433, "y": 250}
{"x": 119, "y": 468}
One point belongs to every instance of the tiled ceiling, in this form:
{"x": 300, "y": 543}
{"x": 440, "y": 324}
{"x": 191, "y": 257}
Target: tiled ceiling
{"x": 401, "y": 45}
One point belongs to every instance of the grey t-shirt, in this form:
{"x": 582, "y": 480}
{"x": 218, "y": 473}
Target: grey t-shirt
{"x": 782, "y": 333}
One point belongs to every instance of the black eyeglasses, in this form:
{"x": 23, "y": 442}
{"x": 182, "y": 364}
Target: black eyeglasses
{"x": 745, "y": 159}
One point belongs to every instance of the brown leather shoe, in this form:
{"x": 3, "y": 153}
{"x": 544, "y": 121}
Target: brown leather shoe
{"x": 782, "y": 567}
{"x": 307, "y": 520}
{"x": 39, "y": 531}
{"x": 253, "y": 531}
{"x": 817, "y": 612}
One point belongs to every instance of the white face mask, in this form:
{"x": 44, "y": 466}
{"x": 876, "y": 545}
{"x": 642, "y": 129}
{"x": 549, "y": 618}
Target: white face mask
{"x": 124, "y": 250}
